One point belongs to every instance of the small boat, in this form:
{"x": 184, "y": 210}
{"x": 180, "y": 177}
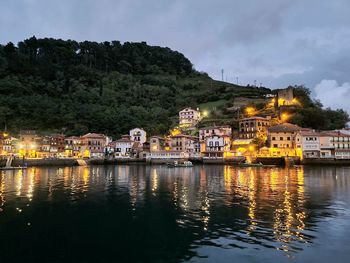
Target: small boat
{"x": 177, "y": 164}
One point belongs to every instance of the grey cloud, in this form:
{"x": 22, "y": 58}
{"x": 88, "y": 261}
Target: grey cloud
{"x": 278, "y": 43}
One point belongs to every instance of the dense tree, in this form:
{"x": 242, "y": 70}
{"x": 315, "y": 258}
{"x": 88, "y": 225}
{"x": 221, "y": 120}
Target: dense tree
{"x": 110, "y": 87}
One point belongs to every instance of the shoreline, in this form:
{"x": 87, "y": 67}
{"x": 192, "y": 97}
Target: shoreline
{"x": 279, "y": 162}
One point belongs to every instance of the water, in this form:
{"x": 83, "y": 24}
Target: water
{"x": 156, "y": 214}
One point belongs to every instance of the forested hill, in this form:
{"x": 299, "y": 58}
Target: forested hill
{"x": 55, "y": 85}
{"x": 75, "y": 87}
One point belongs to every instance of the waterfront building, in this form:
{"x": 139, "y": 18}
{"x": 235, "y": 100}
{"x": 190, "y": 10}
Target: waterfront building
{"x": 57, "y": 145}
{"x": 215, "y": 130}
{"x": 157, "y": 143}
{"x": 253, "y": 127}
{"x": 184, "y": 143}
{"x": 189, "y": 117}
{"x": 93, "y": 145}
{"x": 73, "y": 146}
{"x": 309, "y": 143}
{"x": 123, "y": 147}
{"x": 282, "y": 139}
{"x": 8, "y": 145}
{"x": 335, "y": 144}
{"x": 216, "y": 146}
{"x": 241, "y": 147}
{"x": 138, "y": 135}
{"x": 28, "y": 145}
{"x": 44, "y": 144}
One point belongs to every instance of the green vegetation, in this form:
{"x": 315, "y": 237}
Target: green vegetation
{"x": 109, "y": 87}
{"x": 312, "y": 115}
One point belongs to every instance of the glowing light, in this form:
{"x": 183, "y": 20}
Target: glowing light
{"x": 285, "y": 117}
{"x": 250, "y": 110}
{"x": 175, "y": 132}
{"x": 205, "y": 113}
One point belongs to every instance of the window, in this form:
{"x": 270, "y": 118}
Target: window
{"x": 274, "y": 138}
{"x": 275, "y": 145}
{"x": 288, "y": 138}
{"x": 216, "y": 143}
{"x": 281, "y": 138}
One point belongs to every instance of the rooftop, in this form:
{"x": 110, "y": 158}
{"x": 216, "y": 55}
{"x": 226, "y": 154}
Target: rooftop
{"x": 254, "y": 118}
{"x": 285, "y": 127}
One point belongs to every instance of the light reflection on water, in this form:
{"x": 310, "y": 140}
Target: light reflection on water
{"x": 171, "y": 215}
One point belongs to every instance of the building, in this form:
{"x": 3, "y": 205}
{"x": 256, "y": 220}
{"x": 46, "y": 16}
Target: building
{"x": 157, "y": 143}
{"x": 309, "y": 143}
{"x": 183, "y": 143}
{"x": 282, "y": 139}
{"x": 285, "y": 97}
{"x": 123, "y": 147}
{"x": 189, "y": 117}
{"x": 73, "y": 146}
{"x": 8, "y": 144}
{"x": 44, "y": 145}
{"x": 138, "y": 135}
{"x": 57, "y": 145}
{"x": 253, "y": 127}
{"x": 215, "y": 130}
{"x": 93, "y": 145}
{"x": 216, "y": 146}
{"x": 28, "y": 145}
{"x": 335, "y": 144}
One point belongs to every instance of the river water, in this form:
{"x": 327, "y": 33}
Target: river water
{"x": 140, "y": 213}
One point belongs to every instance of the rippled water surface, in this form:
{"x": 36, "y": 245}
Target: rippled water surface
{"x": 156, "y": 214}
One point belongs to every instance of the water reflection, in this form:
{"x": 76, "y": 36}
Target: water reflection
{"x": 174, "y": 214}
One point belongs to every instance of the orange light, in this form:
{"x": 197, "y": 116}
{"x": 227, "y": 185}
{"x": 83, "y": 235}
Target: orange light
{"x": 250, "y": 110}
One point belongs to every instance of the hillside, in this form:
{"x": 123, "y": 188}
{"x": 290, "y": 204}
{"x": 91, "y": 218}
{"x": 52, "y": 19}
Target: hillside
{"x": 74, "y": 87}
{"x": 50, "y": 84}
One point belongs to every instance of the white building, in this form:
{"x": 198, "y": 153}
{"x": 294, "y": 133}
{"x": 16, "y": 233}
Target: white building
{"x": 215, "y": 146}
{"x": 189, "y": 117}
{"x": 335, "y": 144}
{"x": 309, "y": 143}
{"x": 138, "y": 135}
{"x": 123, "y": 147}
{"x": 214, "y": 130}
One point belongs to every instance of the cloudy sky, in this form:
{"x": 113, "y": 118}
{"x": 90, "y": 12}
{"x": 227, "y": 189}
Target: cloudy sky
{"x": 275, "y": 42}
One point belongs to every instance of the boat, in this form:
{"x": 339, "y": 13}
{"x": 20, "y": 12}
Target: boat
{"x": 177, "y": 164}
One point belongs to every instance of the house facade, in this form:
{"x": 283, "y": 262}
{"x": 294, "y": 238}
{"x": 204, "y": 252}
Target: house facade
{"x": 93, "y": 145}
{"x": 253, "y": 127}
{"x": 215, "y": 130}
{"x": 309, "y": 143}
{"x": 73, "y": 145}
{"x": 216, "y": 146}
{"x": 282, "y": 139}
{"x": 138, "y": 135}
{"x": 123, "y": 147}
{"x": 189, "y": 117}
{"x": 183, "y": 143}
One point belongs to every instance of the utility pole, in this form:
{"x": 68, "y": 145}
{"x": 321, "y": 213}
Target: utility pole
{"x": 237, "y": 80}
{"x": 222, "y": 74}
{"x": 254, "y": 82}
